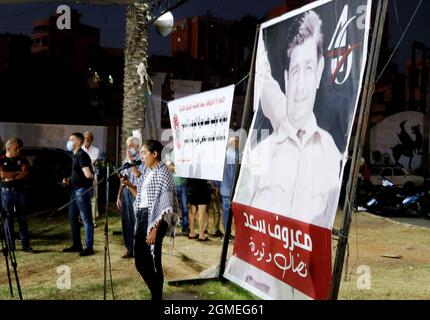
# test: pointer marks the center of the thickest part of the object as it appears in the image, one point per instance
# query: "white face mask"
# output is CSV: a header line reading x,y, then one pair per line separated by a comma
x,y
69,145
133,152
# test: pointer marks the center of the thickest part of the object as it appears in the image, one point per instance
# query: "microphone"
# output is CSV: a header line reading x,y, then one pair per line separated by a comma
x,y
131,164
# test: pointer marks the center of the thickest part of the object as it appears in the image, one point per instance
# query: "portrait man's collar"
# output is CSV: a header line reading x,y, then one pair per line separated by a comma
x,y
289,132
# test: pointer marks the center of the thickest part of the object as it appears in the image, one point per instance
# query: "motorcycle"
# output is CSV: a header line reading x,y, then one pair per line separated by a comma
x,y
391,200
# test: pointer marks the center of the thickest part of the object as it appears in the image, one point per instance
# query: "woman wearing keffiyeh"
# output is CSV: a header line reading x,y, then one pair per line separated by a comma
x,y
156,209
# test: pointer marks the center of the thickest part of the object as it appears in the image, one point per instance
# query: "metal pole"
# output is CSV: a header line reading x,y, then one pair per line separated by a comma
x,y
368,90
245,125
106,233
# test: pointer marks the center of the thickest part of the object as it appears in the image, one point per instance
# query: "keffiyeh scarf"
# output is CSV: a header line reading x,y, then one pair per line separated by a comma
x,y
162,200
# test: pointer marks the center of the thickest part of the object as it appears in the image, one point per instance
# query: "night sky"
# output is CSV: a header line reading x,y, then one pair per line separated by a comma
x,y
111,20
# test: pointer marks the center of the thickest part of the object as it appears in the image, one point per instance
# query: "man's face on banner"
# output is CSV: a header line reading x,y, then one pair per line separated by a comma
x,y
302,81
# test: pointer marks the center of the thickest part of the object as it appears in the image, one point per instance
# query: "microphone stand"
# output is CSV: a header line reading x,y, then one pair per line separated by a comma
x,y
107,259
106,248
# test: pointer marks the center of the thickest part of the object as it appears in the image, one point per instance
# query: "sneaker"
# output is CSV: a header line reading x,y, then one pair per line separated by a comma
x,y
361,209
28,249
87,252
73,249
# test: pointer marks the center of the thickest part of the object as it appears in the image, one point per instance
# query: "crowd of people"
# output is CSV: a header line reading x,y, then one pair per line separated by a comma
x,y
199,198
152,200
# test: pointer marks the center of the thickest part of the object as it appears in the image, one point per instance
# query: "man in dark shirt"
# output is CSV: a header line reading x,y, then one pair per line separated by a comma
x,y
14,174
81,181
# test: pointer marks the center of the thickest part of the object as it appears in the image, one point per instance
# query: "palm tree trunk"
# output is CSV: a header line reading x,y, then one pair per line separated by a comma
x,y
136,52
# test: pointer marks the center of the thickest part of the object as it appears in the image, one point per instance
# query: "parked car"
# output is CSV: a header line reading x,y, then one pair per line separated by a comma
x,y
400,177
48,168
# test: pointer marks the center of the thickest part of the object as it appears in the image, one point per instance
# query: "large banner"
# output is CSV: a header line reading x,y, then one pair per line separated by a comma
x,y
309,69
200,127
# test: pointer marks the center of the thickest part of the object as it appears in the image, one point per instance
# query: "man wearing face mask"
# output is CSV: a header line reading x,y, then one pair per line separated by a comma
x,y
227,182
81,181
125,199
14,173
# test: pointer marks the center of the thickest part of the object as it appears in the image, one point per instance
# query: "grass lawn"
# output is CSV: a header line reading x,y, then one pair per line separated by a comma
x,y
407,276
38,272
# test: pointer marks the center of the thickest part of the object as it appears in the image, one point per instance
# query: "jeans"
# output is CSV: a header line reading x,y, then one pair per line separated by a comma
x,y
148,264
128,220
82,207
182,194
15,202
225,210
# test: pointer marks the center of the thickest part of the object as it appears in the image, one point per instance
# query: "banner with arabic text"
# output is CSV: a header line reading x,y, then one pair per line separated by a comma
x,y
309,70
200,127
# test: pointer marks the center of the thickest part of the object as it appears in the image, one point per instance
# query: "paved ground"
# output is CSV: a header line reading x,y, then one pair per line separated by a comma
x,y
418,222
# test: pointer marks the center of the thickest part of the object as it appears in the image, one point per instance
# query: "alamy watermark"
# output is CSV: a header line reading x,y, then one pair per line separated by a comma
x,y
64,20
64,280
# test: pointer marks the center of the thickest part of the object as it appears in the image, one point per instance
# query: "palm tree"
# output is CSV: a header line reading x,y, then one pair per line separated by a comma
x,y
136,53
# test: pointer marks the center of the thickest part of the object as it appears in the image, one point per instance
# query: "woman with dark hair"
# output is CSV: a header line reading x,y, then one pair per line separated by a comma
x,y
156,211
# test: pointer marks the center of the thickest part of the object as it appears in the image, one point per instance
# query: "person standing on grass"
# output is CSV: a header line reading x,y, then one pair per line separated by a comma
x,y
14,174
215,205
125,199
157,212
200,196
81,180
181,190
94,153
226,184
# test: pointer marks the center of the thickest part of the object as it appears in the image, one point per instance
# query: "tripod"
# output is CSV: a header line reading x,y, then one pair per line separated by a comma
x,y
8,250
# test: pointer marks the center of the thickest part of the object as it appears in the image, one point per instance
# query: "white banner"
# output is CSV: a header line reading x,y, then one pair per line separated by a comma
x,y
200,126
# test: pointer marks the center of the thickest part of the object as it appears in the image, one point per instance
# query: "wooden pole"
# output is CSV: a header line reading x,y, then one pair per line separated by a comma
x,y
366,99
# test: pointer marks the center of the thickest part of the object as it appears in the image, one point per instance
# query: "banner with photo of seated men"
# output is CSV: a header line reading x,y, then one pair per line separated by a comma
x,y
309,70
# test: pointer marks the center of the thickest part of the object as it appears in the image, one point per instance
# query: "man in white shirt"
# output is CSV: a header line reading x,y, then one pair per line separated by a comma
x,y
94,153
295,171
